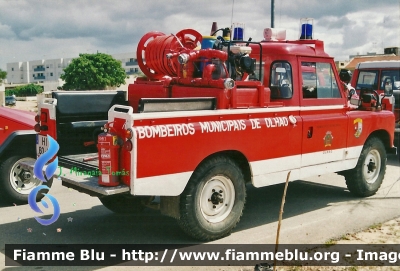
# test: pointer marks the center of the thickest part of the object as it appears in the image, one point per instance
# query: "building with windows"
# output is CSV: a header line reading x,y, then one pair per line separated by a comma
x,y
354,62
389,53
50,70
129,62
341,64
36,71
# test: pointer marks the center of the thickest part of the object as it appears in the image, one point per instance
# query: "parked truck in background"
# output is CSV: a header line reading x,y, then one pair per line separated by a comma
x,y
380,76
16,135
205,122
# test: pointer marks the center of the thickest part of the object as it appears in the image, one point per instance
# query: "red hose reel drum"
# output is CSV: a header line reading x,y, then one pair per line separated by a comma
x,y
190,38
154,46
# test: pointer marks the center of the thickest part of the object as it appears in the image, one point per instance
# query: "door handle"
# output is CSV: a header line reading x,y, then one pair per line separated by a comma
x,y
310,132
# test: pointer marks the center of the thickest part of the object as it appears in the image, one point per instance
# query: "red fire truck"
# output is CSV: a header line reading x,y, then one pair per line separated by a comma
x,y
381,76
16,136
206,121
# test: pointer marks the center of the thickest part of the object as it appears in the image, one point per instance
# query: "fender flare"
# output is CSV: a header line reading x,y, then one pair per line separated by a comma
x,y
22,141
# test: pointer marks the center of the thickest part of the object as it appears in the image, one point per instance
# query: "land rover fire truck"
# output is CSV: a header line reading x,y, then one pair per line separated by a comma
x,y
212,115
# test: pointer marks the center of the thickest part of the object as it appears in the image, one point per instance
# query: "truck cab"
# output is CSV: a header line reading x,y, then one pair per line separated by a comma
x,y
381,76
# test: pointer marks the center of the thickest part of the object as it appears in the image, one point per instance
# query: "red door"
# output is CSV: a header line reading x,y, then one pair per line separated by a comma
x,y
324,136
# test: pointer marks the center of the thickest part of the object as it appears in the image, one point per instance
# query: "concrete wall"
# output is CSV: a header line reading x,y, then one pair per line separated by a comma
x,y
31,98
40,97
49,86
2,95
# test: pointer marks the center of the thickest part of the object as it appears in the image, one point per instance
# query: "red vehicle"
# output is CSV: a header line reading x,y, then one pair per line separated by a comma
x,y
16,135
205,122
381,76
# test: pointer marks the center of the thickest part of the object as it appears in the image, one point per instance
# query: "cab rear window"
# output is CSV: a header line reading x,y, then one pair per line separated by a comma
x,y
281,80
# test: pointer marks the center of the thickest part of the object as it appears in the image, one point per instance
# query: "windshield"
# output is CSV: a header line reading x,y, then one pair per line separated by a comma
x,y
368,80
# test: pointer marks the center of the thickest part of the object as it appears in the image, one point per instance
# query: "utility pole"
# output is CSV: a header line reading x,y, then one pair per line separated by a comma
x,y
272,13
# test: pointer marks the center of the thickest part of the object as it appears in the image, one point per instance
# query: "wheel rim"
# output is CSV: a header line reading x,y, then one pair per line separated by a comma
x,y
21,180
372,165
217,199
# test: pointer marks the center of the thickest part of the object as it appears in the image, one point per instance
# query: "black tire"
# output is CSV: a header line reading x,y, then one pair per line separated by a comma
x,y
202,214
16,183
123,204
366,178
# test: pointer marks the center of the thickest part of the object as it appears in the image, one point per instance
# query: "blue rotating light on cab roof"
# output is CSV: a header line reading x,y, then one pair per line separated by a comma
x,y
238,31
306,30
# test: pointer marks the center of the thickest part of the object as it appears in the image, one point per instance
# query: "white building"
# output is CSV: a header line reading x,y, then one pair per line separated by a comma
x,y
49,70
36,71
129,62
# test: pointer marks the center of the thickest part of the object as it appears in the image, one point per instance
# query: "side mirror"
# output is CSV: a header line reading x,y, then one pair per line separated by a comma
x,y
388,86
353,97
345,75
355,100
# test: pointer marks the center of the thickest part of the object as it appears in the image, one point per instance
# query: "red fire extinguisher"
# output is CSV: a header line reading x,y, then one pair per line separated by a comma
x,y
108,152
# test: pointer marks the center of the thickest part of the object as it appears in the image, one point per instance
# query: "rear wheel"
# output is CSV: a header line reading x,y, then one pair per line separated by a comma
x,y
212,203
123,204
366,178
15,182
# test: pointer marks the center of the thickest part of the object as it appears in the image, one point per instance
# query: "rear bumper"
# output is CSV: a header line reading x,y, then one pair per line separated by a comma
x,y
81,181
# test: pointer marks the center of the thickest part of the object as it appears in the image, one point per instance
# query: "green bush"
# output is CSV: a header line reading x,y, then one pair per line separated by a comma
x,y
10,92
3,75
24,91
93,72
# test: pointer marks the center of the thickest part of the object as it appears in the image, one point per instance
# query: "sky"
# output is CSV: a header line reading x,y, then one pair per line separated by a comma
x,y
49,29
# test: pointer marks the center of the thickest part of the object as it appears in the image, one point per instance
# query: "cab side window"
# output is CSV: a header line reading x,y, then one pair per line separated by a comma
x,y
281,83
390,78
319,81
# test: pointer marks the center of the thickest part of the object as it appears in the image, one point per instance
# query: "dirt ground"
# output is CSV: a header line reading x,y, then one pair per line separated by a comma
x,y
26,105
385,233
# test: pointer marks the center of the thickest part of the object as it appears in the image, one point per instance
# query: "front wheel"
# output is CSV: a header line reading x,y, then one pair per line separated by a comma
x,y
15,182
366,178
212,203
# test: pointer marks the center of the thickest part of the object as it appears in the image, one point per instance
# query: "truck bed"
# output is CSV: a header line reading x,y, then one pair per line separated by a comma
x,y
86,160
81,176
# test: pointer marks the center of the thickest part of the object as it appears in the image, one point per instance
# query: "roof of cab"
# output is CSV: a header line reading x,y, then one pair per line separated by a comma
x,y
379,64
298,48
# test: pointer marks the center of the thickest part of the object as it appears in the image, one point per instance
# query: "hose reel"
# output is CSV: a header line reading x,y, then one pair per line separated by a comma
x,y
154,46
